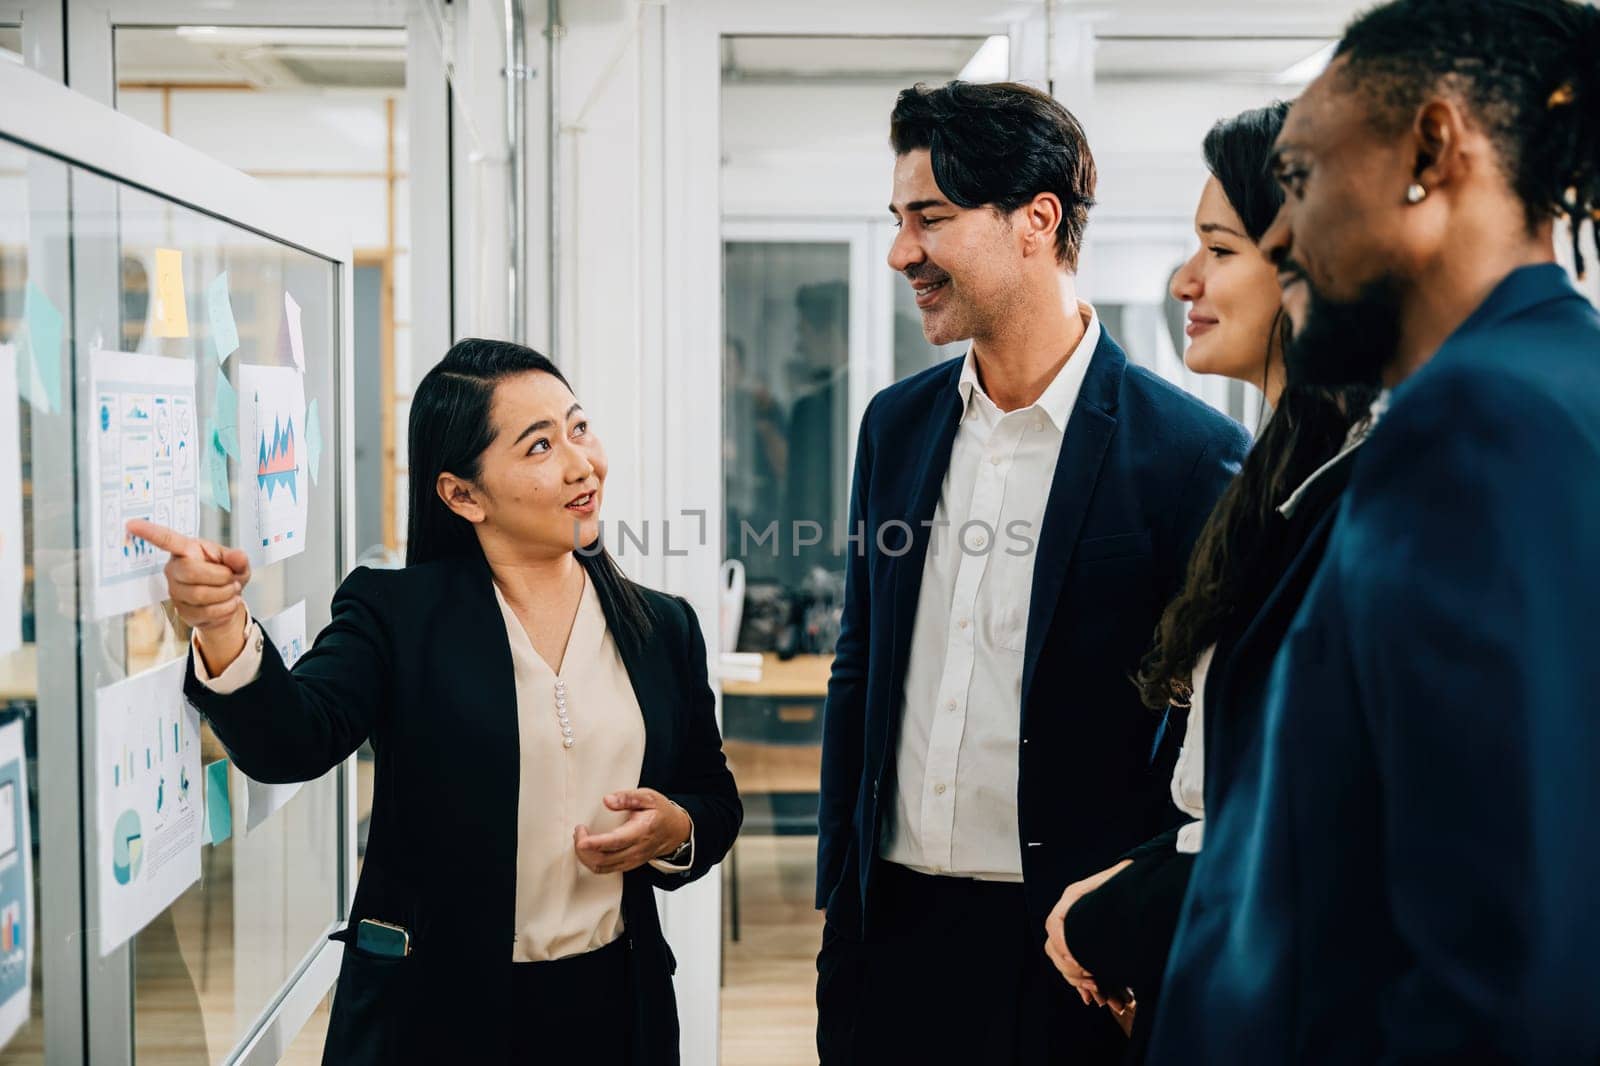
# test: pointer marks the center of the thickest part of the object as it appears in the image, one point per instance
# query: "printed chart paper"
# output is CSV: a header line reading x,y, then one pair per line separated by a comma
x,y
147,775
272,475
11,565
287,631
16,885
143,451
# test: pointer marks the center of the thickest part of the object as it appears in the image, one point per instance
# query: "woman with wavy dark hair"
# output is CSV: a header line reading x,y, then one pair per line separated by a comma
x,y
547,751
1110,933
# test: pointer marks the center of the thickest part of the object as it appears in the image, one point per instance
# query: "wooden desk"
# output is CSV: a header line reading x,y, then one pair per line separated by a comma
x,y
763,766
804,676
19,674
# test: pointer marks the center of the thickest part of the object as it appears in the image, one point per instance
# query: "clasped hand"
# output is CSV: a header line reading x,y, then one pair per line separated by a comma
x,y
1055,945
655,828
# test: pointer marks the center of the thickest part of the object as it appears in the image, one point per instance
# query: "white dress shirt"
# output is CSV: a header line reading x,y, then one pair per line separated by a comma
x,y
955,806
562,908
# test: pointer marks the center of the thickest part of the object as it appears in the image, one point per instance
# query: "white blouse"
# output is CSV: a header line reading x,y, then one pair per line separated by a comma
x,y
582,737
1189,776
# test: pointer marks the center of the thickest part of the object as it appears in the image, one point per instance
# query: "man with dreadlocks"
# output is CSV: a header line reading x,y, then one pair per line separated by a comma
x,y
1403,864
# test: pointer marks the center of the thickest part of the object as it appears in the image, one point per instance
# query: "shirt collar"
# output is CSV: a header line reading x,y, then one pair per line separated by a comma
x,y
1061,394
1353,440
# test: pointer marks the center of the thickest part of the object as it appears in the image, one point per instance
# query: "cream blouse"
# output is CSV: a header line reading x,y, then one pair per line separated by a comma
x,y
581,736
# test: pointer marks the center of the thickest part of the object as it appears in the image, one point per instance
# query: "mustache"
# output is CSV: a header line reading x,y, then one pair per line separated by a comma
x,y
924,273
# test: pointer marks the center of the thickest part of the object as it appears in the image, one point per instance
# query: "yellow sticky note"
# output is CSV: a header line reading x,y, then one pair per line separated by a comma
x,y
171,311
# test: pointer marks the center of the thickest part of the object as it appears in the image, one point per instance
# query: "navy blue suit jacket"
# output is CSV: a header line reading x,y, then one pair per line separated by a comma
x,y
1403,865
1141,467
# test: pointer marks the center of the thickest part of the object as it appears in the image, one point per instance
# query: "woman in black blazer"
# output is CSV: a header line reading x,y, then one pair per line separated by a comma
x,y
498,807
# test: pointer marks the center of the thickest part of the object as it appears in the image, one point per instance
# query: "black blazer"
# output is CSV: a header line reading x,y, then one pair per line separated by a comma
x,y
1141,467
417,661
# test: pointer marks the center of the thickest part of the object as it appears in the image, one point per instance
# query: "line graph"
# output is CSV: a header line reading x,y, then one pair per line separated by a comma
x,y
276,467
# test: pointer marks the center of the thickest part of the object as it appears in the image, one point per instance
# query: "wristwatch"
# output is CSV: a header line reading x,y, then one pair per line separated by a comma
x,y
684,850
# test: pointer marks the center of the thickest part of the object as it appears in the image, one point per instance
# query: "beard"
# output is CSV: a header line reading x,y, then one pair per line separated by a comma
x,y
1345,342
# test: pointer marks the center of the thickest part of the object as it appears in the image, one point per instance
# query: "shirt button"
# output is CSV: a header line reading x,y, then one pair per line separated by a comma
x,y
963,623
950,706
980,540
1037,426
995,459
939,789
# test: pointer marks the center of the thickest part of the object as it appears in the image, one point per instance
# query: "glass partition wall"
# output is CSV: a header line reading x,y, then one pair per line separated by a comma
x,y
174,344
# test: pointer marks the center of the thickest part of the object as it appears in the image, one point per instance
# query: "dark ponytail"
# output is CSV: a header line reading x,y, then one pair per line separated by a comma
x,y
450,429
1241,550
1569,148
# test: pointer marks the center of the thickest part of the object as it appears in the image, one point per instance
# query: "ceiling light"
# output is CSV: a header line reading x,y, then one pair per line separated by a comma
x,y
1307,69
991,62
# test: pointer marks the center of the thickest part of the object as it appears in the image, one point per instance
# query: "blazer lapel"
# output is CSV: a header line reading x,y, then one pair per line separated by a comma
x,y
1289,592
932,464
1089,431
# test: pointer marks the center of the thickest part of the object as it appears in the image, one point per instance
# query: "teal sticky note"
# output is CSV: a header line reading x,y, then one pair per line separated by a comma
x,y
202,482
219,807
221,495
219,309
44,342
314,440
225,410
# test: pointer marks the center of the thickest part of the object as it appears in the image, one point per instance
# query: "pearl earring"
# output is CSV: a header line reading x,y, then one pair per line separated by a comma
x,y
1416,193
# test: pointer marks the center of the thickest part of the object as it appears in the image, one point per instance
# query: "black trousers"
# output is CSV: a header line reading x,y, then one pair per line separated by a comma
x,y
951,971
1122,933
576,1010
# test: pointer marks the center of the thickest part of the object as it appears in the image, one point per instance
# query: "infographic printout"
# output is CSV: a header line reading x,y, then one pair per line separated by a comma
x,y
147,776
272,477
16,885
143,448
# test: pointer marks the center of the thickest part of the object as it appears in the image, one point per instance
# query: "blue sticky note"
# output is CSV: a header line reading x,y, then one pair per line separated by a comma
x,y
203,481
44,341
314,440
219,806
219,308
226,412
221,494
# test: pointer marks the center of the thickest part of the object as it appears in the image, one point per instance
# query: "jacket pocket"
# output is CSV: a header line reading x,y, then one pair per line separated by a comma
x,y
371,1001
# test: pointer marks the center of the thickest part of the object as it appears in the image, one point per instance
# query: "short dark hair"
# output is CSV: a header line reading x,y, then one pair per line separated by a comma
x,y
1000,145
1527,70
1236,150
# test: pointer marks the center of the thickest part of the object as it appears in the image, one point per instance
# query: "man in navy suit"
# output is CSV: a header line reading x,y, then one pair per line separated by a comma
x,y
1018,519
1402,864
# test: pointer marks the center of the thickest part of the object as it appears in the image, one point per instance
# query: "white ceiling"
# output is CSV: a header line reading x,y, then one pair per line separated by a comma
x,y
1190,57
1241,59
898,59
263,57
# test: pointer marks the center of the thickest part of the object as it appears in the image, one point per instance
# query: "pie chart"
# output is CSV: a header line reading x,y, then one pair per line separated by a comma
x,y
127,847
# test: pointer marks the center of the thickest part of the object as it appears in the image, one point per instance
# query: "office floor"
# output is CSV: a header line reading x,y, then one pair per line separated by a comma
x,y
769,1013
